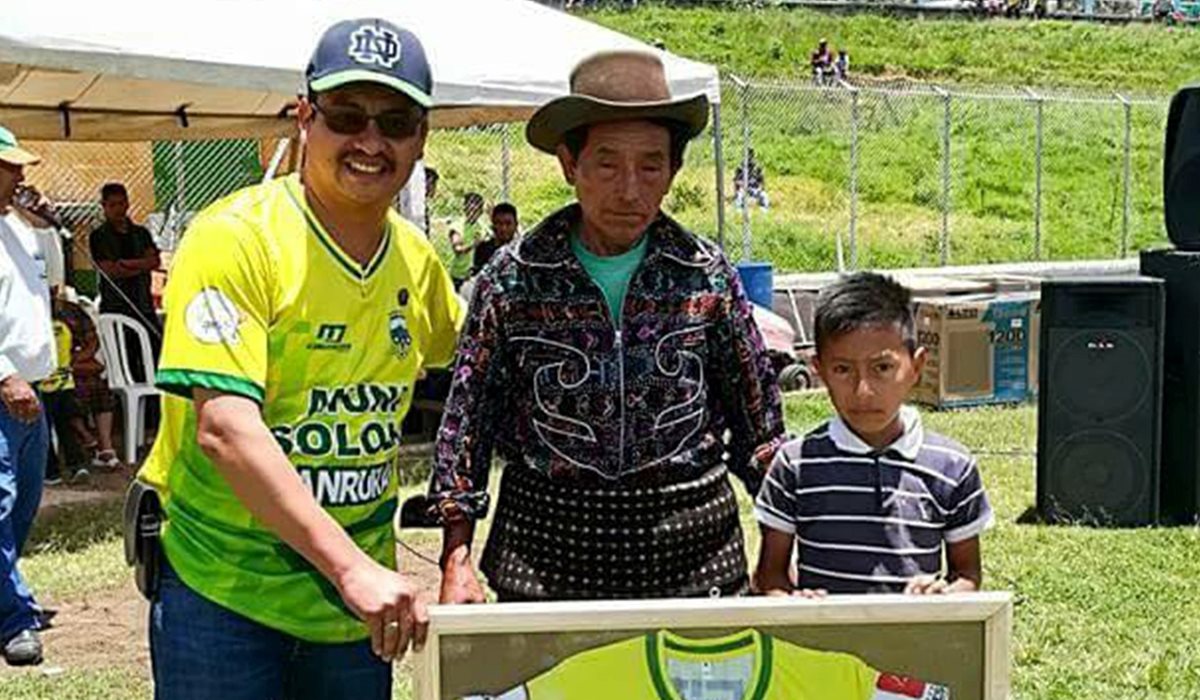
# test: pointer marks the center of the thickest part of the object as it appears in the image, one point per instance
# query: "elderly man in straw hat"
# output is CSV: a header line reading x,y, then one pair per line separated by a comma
x,y
612,362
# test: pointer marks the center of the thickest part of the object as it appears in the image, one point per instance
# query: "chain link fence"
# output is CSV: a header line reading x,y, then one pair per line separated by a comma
x,y
851,176
168,182
496,162
927,176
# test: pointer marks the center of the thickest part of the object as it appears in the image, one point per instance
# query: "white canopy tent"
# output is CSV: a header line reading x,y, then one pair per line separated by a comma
x,y
134,70
142,70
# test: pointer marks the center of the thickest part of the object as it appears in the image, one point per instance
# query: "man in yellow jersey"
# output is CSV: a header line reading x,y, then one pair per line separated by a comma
x,y
299,314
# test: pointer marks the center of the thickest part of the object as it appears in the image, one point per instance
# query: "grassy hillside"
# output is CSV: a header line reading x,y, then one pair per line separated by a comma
x,y
776,41
803,138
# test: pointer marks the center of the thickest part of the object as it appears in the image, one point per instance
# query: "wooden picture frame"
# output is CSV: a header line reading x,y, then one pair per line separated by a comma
x,y
962,641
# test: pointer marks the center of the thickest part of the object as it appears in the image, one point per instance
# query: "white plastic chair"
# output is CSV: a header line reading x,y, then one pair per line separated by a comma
x,y
90,306
113,331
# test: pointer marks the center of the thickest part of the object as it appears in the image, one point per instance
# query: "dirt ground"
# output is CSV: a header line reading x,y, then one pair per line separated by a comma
x,y
108,628
103,629
101,485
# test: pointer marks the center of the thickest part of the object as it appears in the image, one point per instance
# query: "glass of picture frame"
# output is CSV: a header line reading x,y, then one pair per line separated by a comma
x,y
874,647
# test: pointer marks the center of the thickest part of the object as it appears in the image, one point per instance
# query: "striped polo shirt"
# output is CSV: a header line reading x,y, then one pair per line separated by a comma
x,y
867,520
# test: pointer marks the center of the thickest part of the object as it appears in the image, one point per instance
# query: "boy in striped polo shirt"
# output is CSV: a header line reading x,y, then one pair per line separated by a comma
x,y
870,499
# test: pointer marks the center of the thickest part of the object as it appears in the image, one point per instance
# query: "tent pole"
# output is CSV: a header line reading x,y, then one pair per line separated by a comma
x,y
719,157
281,150
505,165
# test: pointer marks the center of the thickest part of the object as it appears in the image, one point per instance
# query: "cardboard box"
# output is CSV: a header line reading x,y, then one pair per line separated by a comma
x,y
982,349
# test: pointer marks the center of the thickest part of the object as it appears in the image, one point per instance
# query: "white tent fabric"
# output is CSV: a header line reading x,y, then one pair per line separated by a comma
x,y
142,69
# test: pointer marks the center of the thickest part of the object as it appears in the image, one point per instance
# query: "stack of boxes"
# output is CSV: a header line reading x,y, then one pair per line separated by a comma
x,y
983,349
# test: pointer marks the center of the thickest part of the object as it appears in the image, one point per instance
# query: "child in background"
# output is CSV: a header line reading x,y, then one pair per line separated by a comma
x,y
58,398
92,394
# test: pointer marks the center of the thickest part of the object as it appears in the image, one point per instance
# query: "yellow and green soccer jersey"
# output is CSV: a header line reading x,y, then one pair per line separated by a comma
x,y
662,666
62,378
461,263
261,302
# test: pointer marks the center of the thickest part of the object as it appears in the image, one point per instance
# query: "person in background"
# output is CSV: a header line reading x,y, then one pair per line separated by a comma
x,y
92,395
841,66
464,235
62,411
504,229
26,357
749,183
821,62
126,255
431,185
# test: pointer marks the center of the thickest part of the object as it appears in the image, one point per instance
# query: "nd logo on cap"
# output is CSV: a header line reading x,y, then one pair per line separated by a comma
x,y
371,50
378,45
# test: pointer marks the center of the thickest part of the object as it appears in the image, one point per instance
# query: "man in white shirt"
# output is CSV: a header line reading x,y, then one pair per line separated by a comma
x,y
26,356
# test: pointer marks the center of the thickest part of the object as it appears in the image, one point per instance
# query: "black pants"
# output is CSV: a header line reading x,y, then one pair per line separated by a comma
x,y
60,408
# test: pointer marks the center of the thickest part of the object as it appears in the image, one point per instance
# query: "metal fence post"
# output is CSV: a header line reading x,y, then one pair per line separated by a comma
x,y
853,178
180,177
945,242
505,164
1127,183
744,90
1037,187
719,162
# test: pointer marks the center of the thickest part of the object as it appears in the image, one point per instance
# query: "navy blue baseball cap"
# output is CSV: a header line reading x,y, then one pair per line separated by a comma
x,y
371,51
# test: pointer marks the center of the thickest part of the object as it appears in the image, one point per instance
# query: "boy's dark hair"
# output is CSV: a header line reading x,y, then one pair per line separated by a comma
x,y
111,189
860,300
576,139
473,198
505,208
431,175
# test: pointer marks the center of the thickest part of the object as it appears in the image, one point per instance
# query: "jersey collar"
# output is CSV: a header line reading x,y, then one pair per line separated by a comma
x,y
360,273
658,644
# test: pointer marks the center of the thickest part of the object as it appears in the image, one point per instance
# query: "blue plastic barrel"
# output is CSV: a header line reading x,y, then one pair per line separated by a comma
x,y
759,280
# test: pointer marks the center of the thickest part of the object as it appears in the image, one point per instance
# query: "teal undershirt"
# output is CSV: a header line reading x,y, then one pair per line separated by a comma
x,y
612,273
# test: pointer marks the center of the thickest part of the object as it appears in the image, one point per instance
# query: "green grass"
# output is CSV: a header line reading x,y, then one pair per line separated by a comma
x,y
77,549
107,684
803,141
1101,613
803,138
775,42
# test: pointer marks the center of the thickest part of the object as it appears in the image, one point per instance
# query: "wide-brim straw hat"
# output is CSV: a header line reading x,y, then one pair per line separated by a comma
x,y
615,86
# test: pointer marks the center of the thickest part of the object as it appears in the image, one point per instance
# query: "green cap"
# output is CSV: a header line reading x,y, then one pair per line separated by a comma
x,y
10,152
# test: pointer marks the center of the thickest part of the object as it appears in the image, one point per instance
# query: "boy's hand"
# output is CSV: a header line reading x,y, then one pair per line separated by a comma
x,y
927,585
810,593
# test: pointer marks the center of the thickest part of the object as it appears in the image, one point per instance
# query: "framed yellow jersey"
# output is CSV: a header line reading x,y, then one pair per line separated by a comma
x,y
842,647
261,302
749,665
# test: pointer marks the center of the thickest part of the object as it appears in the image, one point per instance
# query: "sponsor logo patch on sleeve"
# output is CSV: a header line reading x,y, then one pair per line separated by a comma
x,y
212,317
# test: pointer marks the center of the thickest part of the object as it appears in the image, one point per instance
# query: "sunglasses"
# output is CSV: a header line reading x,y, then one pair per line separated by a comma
x,y
348,121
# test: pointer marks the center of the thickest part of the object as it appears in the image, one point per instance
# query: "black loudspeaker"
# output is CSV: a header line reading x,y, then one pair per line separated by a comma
x,y
1181,170
1099,400
1180,493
